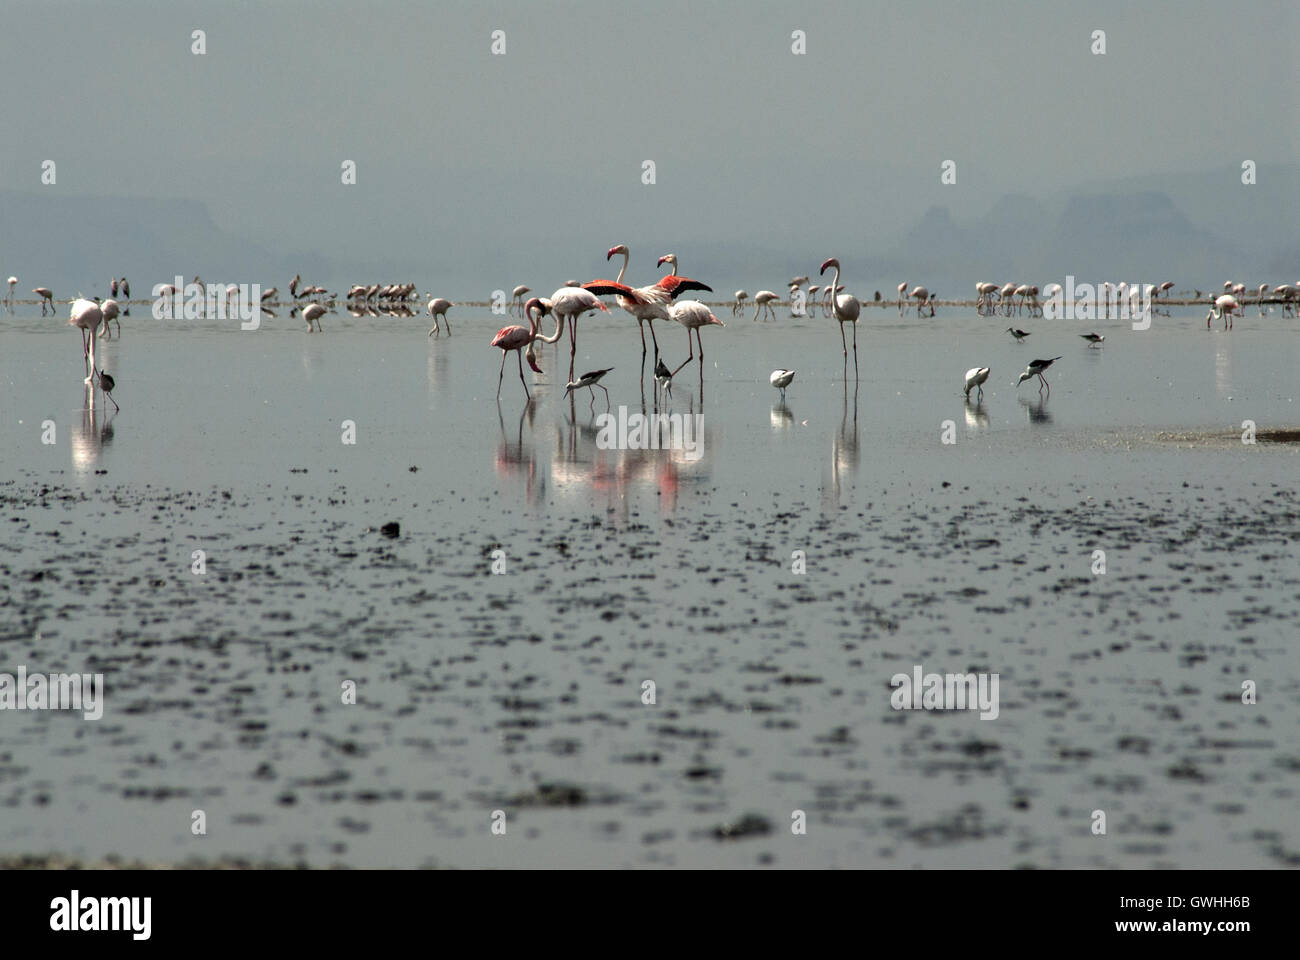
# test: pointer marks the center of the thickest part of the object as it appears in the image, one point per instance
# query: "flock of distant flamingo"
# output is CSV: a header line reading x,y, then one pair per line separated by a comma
x,y
659,301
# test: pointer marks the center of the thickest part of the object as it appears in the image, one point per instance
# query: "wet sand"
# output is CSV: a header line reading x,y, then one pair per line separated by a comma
x,y
521,692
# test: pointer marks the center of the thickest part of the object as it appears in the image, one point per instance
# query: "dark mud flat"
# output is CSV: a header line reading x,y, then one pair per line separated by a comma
x,y
521,692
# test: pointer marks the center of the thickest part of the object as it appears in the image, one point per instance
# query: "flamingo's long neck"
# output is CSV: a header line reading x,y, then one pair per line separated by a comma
x,y
835,285
554,338
623,269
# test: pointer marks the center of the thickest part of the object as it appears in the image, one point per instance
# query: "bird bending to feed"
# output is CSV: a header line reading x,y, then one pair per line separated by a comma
x,y
516,337
845,308
664,376
1035,369
692,315
781,379
109,309
438,307
1093,338
763,299
46,295
741,297
312,314
1225,306
590,380
14,280
107,383
1018,334
87,315
517,297
975,377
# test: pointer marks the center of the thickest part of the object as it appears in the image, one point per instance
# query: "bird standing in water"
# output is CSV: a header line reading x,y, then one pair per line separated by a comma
x,y
107,383
1035,369
781,379
590,380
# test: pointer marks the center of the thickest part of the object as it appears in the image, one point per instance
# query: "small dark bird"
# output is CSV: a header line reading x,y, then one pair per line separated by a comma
x,y
1035,369
1018,334
591,381
112,286
1092,338
107,383
664,376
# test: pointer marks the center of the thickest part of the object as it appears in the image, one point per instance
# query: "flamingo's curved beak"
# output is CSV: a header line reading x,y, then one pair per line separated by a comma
x,y
612,250
532,359
827,264
661,261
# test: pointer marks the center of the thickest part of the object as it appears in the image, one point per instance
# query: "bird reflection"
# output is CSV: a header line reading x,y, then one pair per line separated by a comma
x,y
94,432
515,458
844,446
976,418
1037,409
782,418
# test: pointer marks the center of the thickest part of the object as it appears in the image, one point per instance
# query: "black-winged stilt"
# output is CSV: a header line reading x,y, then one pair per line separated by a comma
x,y
1018,334
591,381
1035,369
1093,338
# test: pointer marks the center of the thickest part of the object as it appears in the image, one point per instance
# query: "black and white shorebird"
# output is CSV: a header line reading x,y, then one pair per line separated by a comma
x,y
1093,338
664,376
781,379
1035,369
107,383
1018,334
591,381
975,377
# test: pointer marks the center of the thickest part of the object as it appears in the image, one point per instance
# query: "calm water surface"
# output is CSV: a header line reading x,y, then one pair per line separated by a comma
x,y
522,692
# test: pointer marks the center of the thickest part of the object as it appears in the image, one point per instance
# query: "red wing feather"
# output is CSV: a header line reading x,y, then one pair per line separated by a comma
x,y
676,286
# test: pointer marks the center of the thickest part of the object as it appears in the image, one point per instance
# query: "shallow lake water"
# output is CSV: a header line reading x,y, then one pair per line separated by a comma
x,y
522,691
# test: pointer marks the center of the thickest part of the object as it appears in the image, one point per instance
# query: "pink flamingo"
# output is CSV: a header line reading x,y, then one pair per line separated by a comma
x,y
846,310
1224,307
516,338
87,315
692,315
902,295
921,296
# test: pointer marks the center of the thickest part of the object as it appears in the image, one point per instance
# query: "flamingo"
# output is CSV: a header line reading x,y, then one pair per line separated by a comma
x,y
293,285
46,295
902,295
1262,288
812,299
12,281
109,309
1035,369
984,291
692,315
650,303
741,297
1005,294
975,378
438,307
1286,293
312,314
517,296
781,379
1224,307
798,281
765,298
1022,292
269,295
570,303
920,295
516,338
590,381
846,310
126,289
87,315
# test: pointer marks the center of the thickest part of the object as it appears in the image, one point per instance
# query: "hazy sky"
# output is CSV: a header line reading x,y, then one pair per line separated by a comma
x,y
537,155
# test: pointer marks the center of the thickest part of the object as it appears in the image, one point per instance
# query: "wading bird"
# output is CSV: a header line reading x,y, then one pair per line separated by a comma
x,y
922,296
126,289
741,297
664,376
591,381
86,315
762,299
1224,307
902,295
1035,369
1018,334
107,383
845,309
516,338
438,307
1094,339
10,297
781,379
975,378
110,310
984,298
692,315
517,297
312,314
47,296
